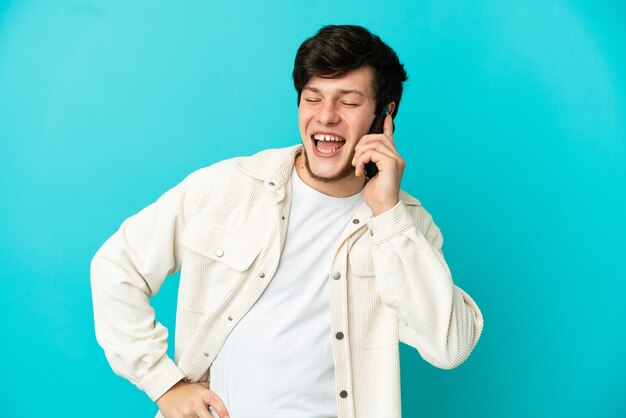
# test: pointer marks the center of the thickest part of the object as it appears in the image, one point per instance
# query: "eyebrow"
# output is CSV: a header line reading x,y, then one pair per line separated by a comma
x,y
342,92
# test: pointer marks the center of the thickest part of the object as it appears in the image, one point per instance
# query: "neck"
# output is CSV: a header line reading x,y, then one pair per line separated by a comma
x,y
346,187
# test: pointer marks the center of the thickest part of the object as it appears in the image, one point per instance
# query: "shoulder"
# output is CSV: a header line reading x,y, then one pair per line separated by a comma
x,y
261,165
220,168
239,173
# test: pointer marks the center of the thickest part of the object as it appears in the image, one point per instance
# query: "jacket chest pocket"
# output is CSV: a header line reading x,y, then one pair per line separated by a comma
x,y
215,260
373,324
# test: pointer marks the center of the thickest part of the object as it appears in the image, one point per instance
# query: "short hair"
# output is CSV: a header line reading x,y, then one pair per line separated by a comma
x,y
335,50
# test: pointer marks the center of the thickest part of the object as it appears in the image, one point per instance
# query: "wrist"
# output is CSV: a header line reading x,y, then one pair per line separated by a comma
x,y
169,391
381,208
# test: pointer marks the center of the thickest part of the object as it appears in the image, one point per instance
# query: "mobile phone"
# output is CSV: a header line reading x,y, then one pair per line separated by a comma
x,y
377,128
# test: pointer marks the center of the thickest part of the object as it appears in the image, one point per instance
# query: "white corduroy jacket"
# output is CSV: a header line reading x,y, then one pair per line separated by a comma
x,y
224,227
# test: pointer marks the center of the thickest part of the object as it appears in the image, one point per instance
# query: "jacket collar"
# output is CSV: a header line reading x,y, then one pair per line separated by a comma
x,y
274,166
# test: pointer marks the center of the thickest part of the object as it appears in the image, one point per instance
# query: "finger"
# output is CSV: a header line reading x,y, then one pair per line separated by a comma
x,y
388,127
359,169
210,398
376,138
367,143
379,158
379,146
203,412
382,145
360,164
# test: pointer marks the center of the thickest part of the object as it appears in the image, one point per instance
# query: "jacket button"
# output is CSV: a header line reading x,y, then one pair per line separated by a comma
x,y
371,232
355,221
262,275
219,252
336,275
339,335
343,394
206,354
187,380
230,318
272,183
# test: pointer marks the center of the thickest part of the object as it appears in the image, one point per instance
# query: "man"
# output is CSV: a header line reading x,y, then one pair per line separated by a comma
x,y
299,275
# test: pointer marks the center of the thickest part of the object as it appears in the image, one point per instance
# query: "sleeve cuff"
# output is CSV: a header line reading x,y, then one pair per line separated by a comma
x,y
389,224
165,375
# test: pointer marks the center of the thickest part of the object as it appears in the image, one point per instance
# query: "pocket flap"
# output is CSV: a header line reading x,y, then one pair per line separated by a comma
x,y
361,261
219,244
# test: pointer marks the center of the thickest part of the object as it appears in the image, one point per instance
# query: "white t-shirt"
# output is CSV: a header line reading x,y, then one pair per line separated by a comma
x,y
278,361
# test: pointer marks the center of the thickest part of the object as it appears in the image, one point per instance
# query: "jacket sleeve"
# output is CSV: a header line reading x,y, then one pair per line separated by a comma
x,y
436,317
126,271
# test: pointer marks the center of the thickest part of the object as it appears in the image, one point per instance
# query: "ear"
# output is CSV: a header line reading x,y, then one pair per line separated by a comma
x,y
391,107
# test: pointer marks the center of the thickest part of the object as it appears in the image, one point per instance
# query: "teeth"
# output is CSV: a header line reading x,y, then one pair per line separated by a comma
x,y
320,137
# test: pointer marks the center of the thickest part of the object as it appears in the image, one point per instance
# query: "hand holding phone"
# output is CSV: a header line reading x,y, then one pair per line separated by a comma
x,y
377,128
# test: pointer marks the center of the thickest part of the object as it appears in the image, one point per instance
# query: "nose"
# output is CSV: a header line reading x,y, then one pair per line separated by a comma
x,y
328,114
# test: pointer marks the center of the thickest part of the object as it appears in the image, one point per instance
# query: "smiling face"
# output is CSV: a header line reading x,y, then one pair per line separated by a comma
x,y
333,115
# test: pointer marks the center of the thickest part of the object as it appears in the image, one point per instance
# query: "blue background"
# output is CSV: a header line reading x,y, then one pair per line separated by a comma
x,y
513,125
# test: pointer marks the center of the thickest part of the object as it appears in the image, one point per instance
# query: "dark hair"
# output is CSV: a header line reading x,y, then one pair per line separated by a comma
x,y
336,50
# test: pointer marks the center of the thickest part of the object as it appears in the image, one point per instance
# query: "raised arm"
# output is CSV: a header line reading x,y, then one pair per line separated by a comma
x,y
436,317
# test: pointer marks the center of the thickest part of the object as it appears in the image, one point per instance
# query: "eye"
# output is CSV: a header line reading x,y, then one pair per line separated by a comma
x,y
350,104
311,100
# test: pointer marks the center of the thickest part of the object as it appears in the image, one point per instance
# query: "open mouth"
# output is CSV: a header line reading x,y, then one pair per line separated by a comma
x,y
327,144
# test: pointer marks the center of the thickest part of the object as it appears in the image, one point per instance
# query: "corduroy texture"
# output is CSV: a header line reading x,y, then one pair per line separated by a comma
x,y
225,227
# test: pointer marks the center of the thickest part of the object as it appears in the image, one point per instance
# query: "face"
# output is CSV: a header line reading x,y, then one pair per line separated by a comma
x,y
333,115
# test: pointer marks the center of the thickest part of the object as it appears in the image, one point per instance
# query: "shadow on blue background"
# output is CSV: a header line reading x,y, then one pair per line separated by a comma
x,y
513,126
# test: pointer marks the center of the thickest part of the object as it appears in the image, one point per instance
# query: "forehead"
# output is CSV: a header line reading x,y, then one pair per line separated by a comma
x,y
357,81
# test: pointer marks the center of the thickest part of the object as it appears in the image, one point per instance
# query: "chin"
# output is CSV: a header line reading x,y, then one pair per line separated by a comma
x,y
344,170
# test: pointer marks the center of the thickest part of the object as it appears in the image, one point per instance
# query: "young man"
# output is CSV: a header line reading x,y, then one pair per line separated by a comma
x,y
299,275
